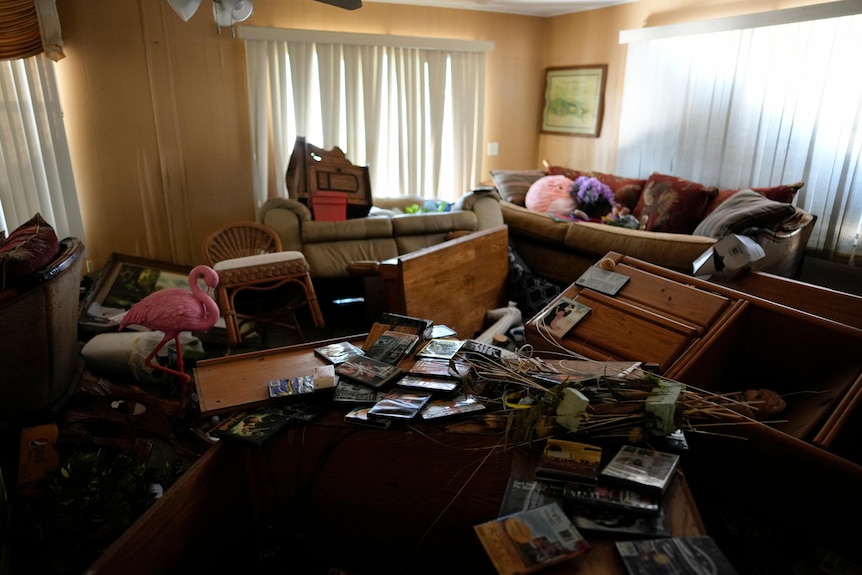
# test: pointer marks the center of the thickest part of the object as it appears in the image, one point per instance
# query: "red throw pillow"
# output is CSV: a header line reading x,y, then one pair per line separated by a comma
x,y
570,173
627,191
31,247
782,193
672,204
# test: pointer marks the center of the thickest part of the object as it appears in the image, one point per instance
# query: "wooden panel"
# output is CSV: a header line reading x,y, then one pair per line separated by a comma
x,y
240,381
824,302
213,491
454,283
678,300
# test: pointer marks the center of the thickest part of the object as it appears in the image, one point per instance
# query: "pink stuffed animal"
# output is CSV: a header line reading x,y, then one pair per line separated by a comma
x,y
550,194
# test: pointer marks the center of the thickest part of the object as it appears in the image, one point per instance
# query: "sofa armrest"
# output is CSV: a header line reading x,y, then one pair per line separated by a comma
x,y
286,217
485,204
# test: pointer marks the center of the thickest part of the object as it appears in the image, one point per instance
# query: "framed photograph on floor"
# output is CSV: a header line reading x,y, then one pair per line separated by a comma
x,y
124,281
574,100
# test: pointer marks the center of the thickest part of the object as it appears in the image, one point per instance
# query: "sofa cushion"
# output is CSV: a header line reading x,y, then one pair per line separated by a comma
x,y
744,209
513,184
353,229
672,204
627,191
29,248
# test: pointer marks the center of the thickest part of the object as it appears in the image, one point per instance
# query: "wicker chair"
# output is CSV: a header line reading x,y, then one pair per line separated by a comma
x,y
248,257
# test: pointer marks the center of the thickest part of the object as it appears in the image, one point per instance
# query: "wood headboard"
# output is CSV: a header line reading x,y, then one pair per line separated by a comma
x,y
312,169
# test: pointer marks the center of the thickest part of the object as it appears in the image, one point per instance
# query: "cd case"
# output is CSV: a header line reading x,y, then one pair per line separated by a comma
x,y
400,404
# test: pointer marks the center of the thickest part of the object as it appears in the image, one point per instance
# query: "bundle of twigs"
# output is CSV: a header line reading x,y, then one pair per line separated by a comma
x,y
530,390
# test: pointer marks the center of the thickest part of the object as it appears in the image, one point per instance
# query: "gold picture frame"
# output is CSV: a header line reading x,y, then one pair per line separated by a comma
x,y
123,281
574,99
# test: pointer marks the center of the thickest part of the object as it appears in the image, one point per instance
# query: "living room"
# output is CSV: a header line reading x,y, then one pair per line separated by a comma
x,y
157,109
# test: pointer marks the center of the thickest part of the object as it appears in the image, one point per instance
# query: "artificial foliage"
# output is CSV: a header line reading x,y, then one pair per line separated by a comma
x,y
78,509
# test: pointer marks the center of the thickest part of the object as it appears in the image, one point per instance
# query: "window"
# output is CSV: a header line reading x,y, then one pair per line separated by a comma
x,y
35,167
412,113
758,106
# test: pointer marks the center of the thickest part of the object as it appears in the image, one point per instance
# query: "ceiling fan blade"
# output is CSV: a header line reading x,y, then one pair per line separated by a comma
x,y
185,9
346,4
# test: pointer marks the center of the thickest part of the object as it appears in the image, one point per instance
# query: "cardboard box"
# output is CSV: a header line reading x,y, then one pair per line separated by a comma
x,y
726,256
37,454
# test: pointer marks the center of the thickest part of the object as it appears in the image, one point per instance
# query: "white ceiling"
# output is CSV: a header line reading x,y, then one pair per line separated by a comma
x,y
544,8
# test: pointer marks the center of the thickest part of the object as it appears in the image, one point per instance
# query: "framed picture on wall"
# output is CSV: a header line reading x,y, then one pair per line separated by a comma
x,y
574,100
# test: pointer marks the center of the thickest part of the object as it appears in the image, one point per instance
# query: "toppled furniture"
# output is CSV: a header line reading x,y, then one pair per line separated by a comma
x,y
386,232
41,354
422,283
560,250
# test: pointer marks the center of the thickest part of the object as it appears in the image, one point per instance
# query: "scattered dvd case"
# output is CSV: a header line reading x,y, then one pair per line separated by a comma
x,y
460,405
368,371
400,404
338,352
440,348
429,383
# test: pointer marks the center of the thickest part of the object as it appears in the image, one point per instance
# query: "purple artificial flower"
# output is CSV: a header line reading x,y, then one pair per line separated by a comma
x,y
590,192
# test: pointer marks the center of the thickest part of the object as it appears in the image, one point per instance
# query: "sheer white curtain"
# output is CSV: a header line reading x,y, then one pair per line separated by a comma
x,y
755,107
35,167
414,115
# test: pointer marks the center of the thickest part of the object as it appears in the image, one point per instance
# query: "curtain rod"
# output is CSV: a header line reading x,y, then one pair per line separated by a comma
x,y
358,39
759,20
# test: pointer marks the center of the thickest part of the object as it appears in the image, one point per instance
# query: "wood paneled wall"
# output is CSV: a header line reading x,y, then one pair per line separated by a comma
x,y
157,117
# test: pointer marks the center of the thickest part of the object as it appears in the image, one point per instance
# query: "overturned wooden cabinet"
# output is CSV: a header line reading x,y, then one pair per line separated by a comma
x,y
718,339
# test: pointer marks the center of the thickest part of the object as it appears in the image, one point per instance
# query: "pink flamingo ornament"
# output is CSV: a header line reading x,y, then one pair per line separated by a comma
x,y
174,310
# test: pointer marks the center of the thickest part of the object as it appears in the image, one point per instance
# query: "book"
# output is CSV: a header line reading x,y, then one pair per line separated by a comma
x,y
696,555
563,316
459,405
531,540
602,281
400,404
359,416
253,427
440,348
337,352
522,494
641,468
392,346
368,371
433,384
439,368
569,461
611,498
350,392
614,523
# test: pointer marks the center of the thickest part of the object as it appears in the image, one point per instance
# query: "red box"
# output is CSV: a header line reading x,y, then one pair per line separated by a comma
x,y
329,206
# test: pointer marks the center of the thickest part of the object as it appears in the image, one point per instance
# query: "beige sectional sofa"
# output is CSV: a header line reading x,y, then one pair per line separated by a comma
x,y
387,232
560,251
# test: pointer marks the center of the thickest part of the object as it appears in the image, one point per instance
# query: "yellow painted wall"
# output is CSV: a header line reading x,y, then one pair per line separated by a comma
x,y
156,108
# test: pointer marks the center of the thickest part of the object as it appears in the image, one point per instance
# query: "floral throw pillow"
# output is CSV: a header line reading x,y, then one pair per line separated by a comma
x,y
672,204
29,248
627,191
